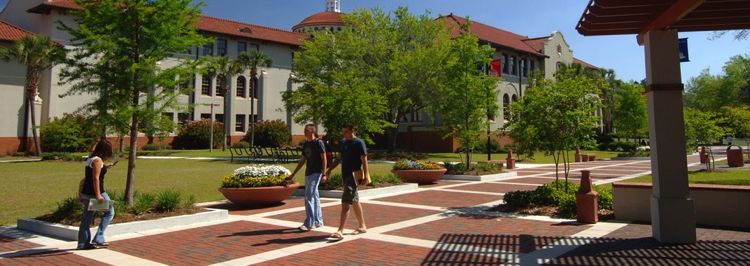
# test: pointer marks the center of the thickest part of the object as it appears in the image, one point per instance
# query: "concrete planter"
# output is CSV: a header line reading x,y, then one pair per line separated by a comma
x,y
70,233
491,177
420,176
372,192
258,195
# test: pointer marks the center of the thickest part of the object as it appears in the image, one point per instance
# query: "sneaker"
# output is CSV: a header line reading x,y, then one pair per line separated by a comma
x,y
87,247
303,228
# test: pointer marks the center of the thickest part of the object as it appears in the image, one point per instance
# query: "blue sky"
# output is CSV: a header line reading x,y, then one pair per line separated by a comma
x,y
533,18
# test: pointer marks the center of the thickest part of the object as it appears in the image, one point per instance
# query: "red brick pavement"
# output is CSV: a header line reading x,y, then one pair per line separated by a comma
x,y
494,187
47,258
375,215
509,234
633,245
442,198
372,252
250,210
214,244
11,244
440,183
530,180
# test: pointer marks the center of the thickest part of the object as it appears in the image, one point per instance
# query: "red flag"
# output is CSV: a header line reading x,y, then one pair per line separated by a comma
x,y
496,67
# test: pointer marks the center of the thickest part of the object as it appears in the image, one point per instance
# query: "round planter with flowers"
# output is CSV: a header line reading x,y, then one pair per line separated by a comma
x,y
421,172
258,185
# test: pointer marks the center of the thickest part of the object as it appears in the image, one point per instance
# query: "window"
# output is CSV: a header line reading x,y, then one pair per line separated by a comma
x,y
532,65
512,66
415,117
506,106
559,50
505,64
183,118
254,93
241,47
205,116
221,47
169,116
525,67
208,49
220,117
559,66
221,86
184,86
241,87
239,124
514,98
253,118
206,86
255,46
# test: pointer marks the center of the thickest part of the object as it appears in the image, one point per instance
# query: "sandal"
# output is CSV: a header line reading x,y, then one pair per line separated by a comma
x,y
303,228
359,231
336,236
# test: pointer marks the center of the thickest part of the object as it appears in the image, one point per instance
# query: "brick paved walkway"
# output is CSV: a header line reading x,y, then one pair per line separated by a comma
x,y
441,224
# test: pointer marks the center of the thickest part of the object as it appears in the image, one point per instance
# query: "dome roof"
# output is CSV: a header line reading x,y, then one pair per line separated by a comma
x,y
322,18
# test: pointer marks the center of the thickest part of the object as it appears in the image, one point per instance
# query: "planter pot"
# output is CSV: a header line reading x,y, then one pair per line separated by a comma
x,y
420,176
258,195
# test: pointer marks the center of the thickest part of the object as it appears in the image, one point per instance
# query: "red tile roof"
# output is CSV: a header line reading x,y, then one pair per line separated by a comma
x,y
537,43
322,18
207,24
11,33
490,34
583,63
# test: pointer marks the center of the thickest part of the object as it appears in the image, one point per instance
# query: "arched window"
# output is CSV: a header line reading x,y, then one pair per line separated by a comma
x,y
241,87
506,106
221,85
514,98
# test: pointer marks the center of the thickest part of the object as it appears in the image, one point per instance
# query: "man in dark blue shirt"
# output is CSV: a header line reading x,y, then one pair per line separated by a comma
x,y
314,159
354,171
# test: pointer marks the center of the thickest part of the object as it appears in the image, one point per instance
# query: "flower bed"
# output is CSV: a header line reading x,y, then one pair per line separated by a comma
x,y
258,184
422,172
553,199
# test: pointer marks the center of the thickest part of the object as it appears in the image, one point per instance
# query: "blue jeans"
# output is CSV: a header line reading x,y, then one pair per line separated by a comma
x,y
84,234
312,201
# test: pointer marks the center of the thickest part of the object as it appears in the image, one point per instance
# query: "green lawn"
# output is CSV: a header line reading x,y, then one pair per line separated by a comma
x,y
539,157
737,177
33,188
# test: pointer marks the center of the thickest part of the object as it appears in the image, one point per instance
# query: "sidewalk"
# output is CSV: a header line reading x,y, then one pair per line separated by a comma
x,y
440,224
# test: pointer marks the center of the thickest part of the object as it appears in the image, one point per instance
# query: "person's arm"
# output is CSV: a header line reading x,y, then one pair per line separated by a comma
x,y
324,160
333,165
96,167
366,171
299,165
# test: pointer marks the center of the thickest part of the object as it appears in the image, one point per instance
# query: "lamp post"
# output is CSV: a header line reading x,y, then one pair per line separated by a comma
x,y
211,127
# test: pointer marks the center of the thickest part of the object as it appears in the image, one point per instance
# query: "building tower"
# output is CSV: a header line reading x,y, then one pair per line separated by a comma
x,y
333,6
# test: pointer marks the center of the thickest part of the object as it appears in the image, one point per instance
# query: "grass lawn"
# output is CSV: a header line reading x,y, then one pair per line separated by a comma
x,y
33,188
735,177
539,157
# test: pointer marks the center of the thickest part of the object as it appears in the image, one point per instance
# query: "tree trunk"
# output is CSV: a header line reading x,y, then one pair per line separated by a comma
x,y
392,138
252,107
25,139
121,140
132,153
34,134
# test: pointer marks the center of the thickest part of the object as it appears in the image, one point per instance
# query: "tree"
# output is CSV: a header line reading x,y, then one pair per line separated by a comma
x,y
736,120
701,130
131,39
223,69
38,53
711,92
631,111
557,115
253,60
738,34
468,95
400,55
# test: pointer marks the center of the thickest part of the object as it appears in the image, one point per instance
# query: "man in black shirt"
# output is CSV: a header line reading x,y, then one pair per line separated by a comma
x,y
354,171
314,156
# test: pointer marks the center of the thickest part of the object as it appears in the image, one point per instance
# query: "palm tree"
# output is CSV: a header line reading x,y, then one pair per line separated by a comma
x,y
38,53
253,60
222,67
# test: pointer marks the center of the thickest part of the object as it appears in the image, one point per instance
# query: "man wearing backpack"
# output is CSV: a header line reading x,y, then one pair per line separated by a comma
x,y
314,158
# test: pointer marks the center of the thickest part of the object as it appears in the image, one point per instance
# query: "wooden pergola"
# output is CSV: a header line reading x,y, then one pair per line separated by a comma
x,y
656,23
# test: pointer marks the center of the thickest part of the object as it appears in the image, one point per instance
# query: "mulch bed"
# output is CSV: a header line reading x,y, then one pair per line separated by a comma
x,y
75,220
550,211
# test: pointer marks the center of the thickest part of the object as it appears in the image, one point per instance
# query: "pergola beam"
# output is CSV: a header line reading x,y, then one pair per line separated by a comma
x,y
674,13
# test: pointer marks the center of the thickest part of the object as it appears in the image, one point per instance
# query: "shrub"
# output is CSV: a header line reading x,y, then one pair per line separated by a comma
x,y
156,147
454,168
195,135
486,167
271,133
69,133
241,144
69,206
378,180
167,200
519,198
555,194
606,199
396,156
494,147
623,146
142,203
62,156
257,176
604,141
416,165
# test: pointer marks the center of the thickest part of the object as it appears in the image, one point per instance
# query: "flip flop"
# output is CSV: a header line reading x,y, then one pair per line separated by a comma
x,y
359,231
336,236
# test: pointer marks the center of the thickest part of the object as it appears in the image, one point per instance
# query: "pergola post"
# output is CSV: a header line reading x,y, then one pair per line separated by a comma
x,y
672,212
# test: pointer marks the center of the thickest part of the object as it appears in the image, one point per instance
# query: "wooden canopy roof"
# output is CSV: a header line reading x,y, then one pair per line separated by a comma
x,y
610,17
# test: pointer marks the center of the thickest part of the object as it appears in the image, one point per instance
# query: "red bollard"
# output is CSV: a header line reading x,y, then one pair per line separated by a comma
x,y
510,163
584,158
703,155
578,155
586,200
734,157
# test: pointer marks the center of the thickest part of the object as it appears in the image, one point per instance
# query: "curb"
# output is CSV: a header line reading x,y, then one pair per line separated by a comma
x,y
70,233
480,178
407,187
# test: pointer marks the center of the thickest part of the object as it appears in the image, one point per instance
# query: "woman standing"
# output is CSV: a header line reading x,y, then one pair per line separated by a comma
x,y
93,188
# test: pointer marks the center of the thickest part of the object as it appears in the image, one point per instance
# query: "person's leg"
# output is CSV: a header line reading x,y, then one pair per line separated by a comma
x,y
309,207
317,217
344,216
359,213
106,219
84,233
